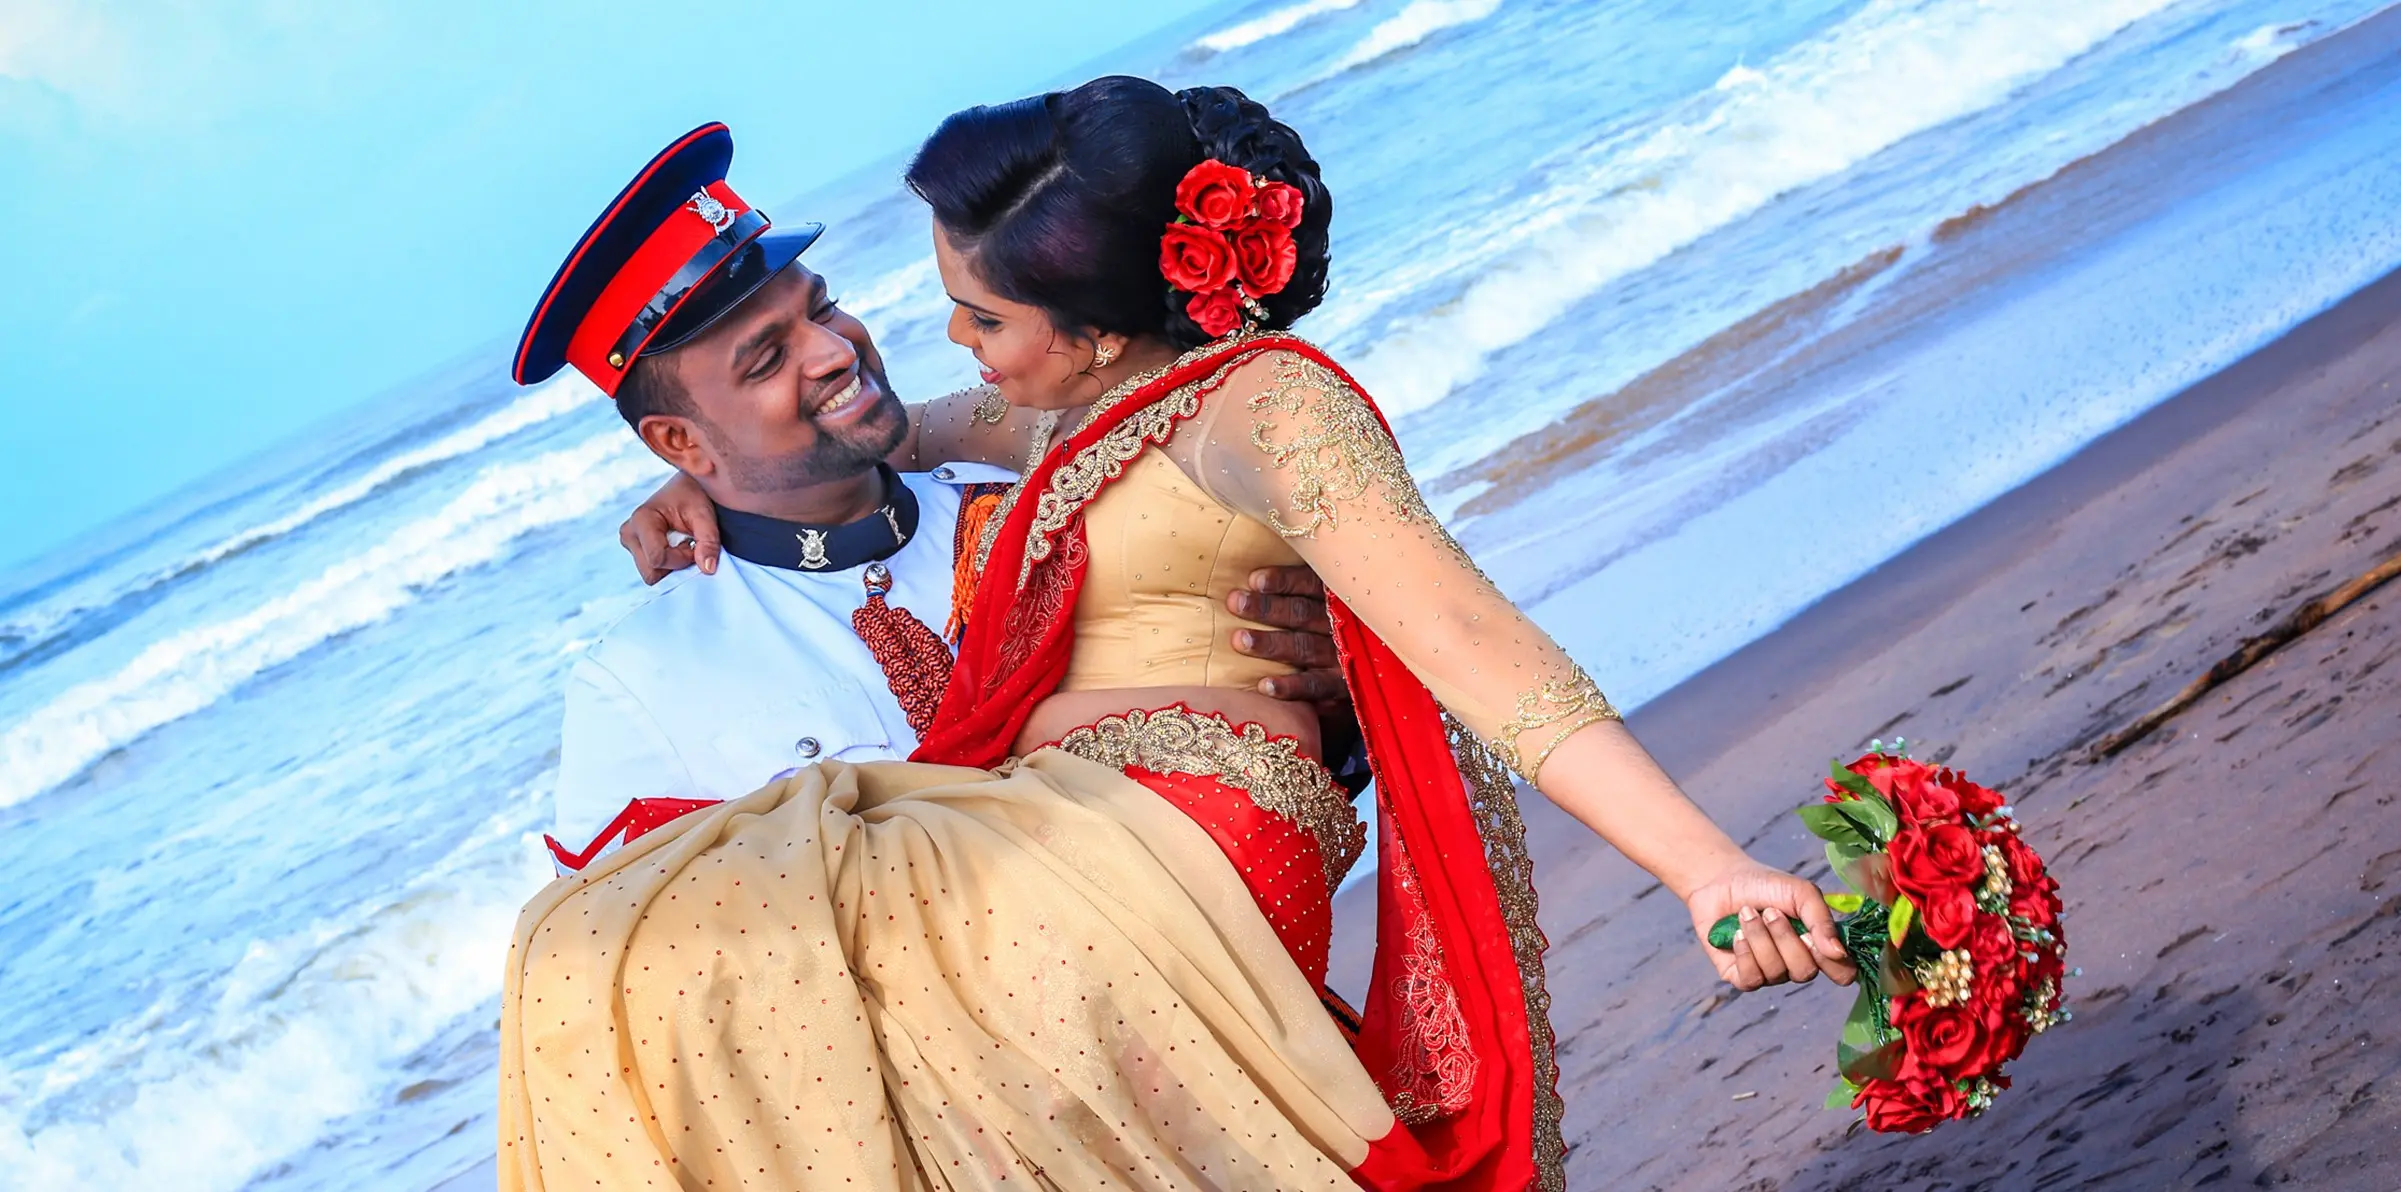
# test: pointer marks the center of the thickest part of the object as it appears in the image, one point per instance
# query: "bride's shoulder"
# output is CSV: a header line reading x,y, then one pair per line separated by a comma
x,y
1289,378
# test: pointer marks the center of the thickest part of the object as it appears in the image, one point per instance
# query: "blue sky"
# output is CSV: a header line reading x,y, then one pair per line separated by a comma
x,y
223,220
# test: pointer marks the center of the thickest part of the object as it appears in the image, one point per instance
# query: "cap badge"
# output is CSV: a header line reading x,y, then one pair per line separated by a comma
x,y
812,550
706,206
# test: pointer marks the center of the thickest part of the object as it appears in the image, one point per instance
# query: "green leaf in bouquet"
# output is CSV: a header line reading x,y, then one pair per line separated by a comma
x,y
1850,780
1844,904
1864,1052
1904,913
1874,818
1834,827
1884,1063
1844,1093
1850,862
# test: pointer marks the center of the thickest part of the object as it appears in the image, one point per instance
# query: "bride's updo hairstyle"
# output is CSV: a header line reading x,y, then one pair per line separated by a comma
x,y
1060,200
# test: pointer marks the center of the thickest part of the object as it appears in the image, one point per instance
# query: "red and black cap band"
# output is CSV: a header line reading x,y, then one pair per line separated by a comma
x,y
675,251
738,231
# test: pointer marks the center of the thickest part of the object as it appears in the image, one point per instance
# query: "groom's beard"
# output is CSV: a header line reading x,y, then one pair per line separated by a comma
x,y
838,455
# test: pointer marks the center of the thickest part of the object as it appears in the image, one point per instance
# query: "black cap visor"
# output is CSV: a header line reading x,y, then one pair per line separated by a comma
x,y
740,276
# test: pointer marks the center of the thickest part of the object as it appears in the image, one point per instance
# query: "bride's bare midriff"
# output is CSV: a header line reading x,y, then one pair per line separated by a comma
x,y
1066,711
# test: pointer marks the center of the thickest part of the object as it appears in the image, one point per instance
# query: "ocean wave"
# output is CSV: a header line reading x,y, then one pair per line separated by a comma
x,y
306,1028
1895,68
1274,24
30,635
182,674
1408,27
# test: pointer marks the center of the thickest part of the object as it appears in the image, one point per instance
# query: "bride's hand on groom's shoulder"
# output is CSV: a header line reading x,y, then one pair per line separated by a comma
x,y
674,529
1767,949
1292,602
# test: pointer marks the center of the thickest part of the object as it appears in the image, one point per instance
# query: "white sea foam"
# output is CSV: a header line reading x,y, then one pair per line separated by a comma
x,y
1408,27
305,1029
913,290
1274,24
1895,68
187,672
554,399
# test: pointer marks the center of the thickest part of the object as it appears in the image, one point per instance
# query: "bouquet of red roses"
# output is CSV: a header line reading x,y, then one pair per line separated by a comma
x,y
1955,928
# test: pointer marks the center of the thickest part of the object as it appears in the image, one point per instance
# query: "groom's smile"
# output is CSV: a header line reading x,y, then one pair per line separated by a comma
x,y
787,393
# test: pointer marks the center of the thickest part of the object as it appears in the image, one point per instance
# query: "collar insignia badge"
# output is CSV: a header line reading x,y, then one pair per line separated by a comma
x,y
706,206
893,520
812,550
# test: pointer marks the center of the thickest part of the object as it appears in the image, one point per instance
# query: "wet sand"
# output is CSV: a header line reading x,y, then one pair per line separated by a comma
x,y
2230,879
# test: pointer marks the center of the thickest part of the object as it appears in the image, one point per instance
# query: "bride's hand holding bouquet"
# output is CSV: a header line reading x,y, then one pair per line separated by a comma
x,y
1767,948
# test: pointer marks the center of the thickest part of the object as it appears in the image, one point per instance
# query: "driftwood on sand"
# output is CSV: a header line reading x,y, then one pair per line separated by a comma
x,y
2301,620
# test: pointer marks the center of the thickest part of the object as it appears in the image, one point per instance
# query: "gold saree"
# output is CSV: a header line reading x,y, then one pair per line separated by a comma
x,y
905,976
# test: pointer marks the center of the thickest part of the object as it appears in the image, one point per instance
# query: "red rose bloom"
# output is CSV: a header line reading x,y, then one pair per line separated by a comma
x,y
1195,259
1217,311
2036,904
1264,257
1282,203
1897,1108
1922,798
1944,1040
1994,952
1975,800
2005,1035
2025,868
1878,769
1947,914
1928,858
1215,195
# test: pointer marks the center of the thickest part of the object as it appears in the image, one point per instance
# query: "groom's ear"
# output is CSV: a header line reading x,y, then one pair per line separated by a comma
x,y
675,439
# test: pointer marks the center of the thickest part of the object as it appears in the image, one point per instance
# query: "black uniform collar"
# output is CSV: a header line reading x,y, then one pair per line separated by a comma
x,y
800,546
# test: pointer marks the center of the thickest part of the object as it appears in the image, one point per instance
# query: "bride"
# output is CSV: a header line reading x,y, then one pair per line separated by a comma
x,y
1080,941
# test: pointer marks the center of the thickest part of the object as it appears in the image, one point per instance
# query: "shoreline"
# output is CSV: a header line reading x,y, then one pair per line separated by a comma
x,y
2228,878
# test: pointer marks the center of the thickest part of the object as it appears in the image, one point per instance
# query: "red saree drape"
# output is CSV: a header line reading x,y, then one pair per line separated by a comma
x,y
1455,1027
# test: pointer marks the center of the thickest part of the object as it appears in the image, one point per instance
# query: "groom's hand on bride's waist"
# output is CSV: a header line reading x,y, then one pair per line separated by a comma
x,y
1292,601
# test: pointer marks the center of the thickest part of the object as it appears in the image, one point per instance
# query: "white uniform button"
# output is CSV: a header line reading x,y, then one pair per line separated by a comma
x,y
944,473
806,747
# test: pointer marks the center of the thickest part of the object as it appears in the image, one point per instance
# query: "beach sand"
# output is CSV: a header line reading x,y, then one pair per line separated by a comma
x,y
2230,880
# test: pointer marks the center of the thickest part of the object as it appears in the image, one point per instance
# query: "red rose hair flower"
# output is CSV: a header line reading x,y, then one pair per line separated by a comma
x,y
1264,258
1216,195
1195,258
1230,245
1218,311
1282,203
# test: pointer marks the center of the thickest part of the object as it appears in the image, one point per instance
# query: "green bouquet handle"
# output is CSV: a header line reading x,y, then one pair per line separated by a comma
x,y
1721,933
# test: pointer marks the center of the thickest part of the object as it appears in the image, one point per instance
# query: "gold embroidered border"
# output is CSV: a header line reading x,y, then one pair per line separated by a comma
x,y
1338,450
1494,799
1436,1069
1081,478
1573,702
1271,770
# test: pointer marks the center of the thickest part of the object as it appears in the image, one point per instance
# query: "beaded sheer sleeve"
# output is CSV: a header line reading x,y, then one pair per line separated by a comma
x,y
1288,442
970,426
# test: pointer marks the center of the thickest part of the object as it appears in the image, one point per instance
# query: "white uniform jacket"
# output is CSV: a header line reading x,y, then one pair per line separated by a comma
x,y
717,683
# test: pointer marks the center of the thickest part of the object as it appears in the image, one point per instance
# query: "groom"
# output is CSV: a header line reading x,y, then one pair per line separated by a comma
x,y
816,636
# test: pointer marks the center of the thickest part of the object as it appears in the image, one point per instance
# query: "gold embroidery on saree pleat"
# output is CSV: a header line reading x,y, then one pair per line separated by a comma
x,y
1434,1068
1271,770
1571,704
1336,449
1494,800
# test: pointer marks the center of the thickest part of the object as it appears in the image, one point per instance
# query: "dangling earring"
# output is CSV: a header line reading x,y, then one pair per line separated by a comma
x,y
1104,356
